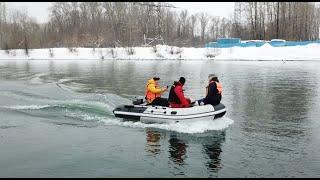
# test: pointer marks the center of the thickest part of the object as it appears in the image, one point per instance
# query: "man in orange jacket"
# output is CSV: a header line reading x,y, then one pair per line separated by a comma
x,y
153,93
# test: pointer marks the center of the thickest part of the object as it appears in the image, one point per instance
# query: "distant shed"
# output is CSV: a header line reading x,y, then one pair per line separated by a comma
x,y
252,43
277,42
228,40
236,42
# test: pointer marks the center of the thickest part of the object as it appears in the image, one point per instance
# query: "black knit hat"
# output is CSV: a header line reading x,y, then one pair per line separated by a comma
x,y
182,80
212,76
156,78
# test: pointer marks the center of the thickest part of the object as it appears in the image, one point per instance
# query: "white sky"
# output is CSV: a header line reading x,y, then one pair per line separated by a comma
x,y
39,10
223,9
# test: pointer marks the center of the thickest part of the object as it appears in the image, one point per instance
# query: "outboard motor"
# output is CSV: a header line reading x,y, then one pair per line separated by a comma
x,y
137,102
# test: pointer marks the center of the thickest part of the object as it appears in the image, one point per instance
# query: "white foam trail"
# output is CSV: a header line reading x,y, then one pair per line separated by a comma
x,y
37,78
83,116
26,107
104,102
61,81
198,126
63,104
74,88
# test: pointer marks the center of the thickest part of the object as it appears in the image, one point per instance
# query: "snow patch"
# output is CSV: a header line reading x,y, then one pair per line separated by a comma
x,y
164,52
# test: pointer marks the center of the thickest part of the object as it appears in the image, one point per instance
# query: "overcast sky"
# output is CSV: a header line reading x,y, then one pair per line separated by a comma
x,y
39,10
223,9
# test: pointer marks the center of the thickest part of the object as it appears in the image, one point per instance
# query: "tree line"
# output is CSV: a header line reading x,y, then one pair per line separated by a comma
x,y
296,21
126,24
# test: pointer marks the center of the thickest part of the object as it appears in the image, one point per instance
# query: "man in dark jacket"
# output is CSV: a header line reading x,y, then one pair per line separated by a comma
x,y
214,91
176,97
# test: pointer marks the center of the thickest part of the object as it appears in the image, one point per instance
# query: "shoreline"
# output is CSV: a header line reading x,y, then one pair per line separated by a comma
x,y
220,60
309,52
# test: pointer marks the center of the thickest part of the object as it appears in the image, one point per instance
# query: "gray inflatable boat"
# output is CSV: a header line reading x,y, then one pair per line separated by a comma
x,y
159,114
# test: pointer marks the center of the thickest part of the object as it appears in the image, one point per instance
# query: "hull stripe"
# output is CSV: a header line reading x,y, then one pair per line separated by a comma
x,y
173,117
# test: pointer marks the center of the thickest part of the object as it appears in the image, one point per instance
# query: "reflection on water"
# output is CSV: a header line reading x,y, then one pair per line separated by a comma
x,y
213,150
153,144
177,149
275,108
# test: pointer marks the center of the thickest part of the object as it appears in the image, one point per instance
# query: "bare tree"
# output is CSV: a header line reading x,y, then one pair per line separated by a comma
x,y
3,18
203,18
110,24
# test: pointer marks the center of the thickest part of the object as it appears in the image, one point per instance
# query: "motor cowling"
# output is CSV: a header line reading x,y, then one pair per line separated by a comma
x,y
137,102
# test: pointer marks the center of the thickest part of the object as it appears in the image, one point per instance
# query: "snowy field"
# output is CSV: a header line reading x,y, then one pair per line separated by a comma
x,y
163,52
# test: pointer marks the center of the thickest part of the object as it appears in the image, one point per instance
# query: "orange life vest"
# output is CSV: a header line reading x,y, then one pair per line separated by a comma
x,y
219,87
149,95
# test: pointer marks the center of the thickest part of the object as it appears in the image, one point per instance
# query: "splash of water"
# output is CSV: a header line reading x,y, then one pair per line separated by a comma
x,y
197,126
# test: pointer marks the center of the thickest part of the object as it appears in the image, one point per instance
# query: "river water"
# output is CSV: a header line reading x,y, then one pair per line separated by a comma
x,y
56,120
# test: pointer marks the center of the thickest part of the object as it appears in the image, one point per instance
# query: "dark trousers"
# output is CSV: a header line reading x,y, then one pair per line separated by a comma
x,y
160,102
209,101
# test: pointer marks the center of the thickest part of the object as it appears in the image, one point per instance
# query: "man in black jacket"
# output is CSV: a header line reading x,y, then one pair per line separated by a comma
x,y
214,91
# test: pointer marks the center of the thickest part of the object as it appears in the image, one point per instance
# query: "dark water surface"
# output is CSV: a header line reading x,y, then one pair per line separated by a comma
x,y
56,120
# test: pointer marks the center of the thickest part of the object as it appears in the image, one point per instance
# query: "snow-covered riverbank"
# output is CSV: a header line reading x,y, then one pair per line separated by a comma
x,y
266,52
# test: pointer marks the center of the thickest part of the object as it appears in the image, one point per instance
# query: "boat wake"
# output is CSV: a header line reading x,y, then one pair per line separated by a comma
x,y
199,126
100,114
66,107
